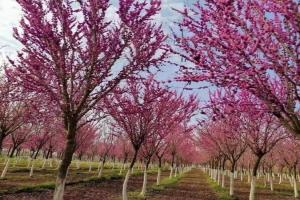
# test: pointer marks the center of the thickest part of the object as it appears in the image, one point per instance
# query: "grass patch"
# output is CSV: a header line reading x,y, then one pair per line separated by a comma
x,y
283,189
222,193
36,188
165,183
136,196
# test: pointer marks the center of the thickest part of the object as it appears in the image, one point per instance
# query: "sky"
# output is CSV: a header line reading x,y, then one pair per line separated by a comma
x,y
10,14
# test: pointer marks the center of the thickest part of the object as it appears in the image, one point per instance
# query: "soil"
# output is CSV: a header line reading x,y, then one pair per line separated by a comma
x,y
104,190
192,186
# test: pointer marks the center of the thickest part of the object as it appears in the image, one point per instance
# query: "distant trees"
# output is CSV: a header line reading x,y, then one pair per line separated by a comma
x,y
142,110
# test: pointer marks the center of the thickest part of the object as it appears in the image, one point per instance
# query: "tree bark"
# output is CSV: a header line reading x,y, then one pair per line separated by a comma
x,y
158,171
36,153
231,184
2,137
296,194
65,163
31,169
253,178
144,188
252,188
12,151
125,183
101,168
5,168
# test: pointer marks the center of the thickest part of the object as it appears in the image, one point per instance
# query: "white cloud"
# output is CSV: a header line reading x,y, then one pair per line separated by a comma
x,y
10,14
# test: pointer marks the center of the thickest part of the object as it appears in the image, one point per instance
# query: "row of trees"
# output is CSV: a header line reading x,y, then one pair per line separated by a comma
x,y
142,120
250,49
241,134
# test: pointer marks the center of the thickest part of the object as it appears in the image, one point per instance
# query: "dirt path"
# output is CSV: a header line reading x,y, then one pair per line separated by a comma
x,y
104,190
192,186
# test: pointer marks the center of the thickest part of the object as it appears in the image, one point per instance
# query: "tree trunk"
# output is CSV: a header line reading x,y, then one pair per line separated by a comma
x,y
158,172
18,151
125,183
176,170
31,169
12,151
101,168
171,172
223,178
90,167
172,165
44,163
253,188
123,165
271,182
280,178
36,153
253,178
2,136
48,153
8,152
32,154
295,183
144,188
5,168
65,163
231,186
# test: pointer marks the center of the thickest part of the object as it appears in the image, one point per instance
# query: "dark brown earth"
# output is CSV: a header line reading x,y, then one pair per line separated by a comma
x,y
104,190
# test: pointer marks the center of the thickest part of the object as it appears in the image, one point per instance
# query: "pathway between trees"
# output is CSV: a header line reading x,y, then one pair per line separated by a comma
x,y
192,186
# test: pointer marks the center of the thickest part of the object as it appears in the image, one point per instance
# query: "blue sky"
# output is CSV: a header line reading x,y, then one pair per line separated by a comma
x,y
10,14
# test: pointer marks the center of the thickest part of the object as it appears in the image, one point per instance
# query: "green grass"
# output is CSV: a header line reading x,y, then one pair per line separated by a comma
x,y
280,190
51,186
136,196
42,187
44,179
222,193
165,183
